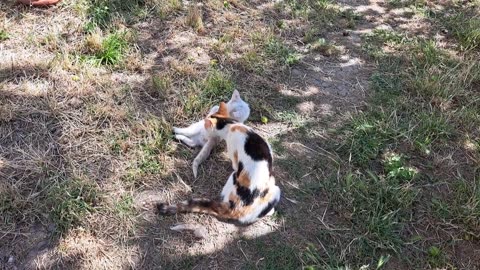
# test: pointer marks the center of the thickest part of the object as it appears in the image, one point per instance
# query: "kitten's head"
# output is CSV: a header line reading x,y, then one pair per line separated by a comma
x,y
235,96
216,122
238,109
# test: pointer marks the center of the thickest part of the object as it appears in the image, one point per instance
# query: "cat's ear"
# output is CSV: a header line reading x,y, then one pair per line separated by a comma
x,y
222,110
235,95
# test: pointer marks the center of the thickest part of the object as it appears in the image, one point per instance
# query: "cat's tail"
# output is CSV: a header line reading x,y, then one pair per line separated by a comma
x,y
206,206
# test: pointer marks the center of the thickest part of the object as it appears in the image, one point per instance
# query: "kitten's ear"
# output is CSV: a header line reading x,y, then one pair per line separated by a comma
x,y
235,95
208,123
222,110
213,110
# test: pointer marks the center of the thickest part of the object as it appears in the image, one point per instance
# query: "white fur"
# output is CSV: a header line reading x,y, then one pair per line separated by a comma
x,y
196,135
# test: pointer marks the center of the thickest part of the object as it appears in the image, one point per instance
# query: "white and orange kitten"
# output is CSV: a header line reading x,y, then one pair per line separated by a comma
x,y
250,192
196,134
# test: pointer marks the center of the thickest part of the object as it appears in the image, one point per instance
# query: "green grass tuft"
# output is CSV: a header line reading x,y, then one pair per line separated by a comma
x,y
70,202
277,255
217,86
161,86
466,28
112,49
283,54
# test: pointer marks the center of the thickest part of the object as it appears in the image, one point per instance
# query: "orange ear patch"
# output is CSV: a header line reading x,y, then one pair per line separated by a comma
x,y
239,128
222,110
208,123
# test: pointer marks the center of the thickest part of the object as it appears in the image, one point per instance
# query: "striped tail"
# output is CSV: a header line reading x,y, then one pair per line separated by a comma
x,y
206,206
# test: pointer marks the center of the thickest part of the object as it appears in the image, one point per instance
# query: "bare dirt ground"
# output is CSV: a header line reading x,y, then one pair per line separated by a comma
x,y
86,146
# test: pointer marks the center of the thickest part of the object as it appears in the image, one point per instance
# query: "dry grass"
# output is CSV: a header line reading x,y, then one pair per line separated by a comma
x,y
194,19
89,92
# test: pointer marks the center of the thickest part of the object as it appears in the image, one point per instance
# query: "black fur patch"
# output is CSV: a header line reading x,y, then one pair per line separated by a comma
x,y
222,122
268,208
257,148
232,204
235,179
166,210
240,168
246,195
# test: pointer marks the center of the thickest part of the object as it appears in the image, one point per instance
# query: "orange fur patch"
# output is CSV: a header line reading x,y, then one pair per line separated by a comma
x,y
239,128
244,179
234,198
267,198
235,158
238,212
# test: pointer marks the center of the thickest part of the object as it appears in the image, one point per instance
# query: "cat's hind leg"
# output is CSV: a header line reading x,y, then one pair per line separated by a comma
x,y
191,130
185,140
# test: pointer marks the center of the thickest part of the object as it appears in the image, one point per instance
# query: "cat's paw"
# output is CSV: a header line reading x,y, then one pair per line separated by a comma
x,y
195,169
270,213
176,130
187,141
166,210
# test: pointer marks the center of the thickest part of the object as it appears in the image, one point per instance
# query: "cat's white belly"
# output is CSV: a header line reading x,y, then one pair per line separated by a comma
x,y
228,188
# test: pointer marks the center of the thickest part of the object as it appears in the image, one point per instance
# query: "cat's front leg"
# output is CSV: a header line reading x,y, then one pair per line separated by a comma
x,y
203,154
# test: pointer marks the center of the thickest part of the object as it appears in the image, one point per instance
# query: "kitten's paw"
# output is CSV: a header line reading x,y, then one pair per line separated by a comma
x,y
166,210
176,130
195,169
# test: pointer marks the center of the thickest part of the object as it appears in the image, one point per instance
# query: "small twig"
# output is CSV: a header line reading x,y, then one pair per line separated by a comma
x,y
330,228
291,200
181,181
240,247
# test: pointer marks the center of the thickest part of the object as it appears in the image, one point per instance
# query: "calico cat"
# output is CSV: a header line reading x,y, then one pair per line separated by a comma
x,y
250,192
196,134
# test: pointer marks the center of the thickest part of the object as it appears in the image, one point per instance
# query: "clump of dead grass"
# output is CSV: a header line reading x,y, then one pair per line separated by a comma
x,y
194,19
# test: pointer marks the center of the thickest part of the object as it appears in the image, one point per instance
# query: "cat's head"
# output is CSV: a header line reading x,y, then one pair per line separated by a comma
x,y
217,122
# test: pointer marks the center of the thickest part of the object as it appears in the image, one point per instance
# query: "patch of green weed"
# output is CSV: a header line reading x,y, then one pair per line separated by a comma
x,y
325,48
396,168
436,258
3,35
282,53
